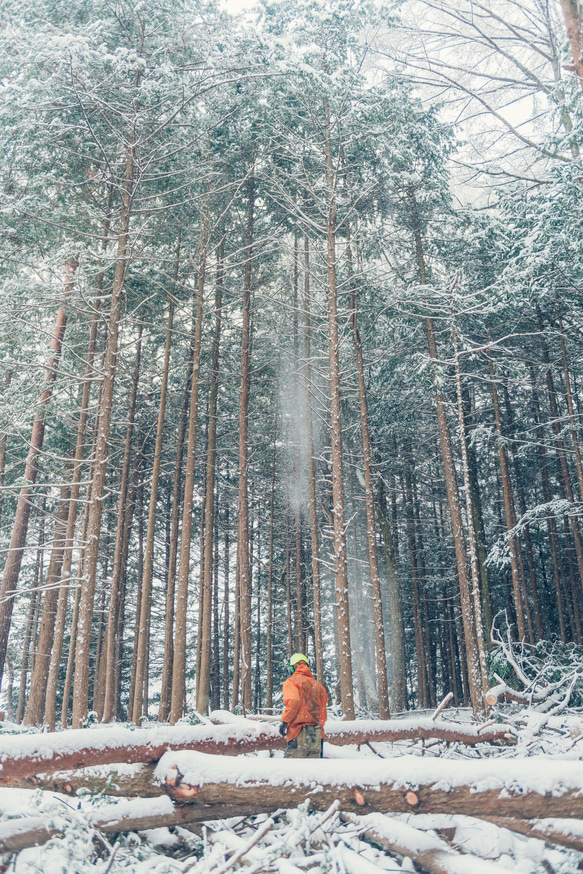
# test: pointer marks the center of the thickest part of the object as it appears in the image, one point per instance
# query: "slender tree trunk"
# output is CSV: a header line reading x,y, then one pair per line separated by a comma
x,y
469,625
28,643
226,612
203,677
547,496
398,656
20,526
38,682
110,667
340,565
179,656
377,602
269,628
526,528
244,570
166,690
561,454
3,439
141,706
473,549
82,650
422,688
570,406
316,585
508,508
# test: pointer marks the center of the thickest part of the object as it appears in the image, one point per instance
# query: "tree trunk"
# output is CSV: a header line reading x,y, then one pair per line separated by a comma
x,y
203,677
226,616
243,563
547,496
397,649
166,690
38,682
422,689
561,454
269,628
472,543
109,675
179,655
100,458
20,526
377,601
141,706
340,566
316,585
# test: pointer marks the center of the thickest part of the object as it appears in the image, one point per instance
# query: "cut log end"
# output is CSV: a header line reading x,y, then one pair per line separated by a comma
x,y
411,798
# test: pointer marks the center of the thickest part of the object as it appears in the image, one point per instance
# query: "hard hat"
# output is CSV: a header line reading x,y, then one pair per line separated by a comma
x,y
297,658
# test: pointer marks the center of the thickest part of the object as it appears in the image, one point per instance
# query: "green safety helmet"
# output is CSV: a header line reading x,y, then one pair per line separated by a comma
x,y
296,659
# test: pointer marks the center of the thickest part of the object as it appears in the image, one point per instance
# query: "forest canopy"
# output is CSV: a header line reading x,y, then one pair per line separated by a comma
x,y
291,351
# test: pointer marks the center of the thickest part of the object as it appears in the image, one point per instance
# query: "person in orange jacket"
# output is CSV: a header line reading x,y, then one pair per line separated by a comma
x,y
302,721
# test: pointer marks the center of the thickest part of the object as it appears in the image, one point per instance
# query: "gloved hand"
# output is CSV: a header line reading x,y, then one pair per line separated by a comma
x,y
283,728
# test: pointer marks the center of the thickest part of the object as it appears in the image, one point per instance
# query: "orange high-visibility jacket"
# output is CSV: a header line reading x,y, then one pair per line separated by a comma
x,y
305,701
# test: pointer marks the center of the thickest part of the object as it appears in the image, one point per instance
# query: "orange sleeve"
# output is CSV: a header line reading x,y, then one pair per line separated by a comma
x,y
291,699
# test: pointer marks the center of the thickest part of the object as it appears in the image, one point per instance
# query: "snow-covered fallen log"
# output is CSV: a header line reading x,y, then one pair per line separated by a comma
x,y
25,831
31,754
525,788
133,781
562,832
361,731
428,851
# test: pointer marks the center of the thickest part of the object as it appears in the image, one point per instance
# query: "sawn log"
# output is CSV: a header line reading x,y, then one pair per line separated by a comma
x,y
528,788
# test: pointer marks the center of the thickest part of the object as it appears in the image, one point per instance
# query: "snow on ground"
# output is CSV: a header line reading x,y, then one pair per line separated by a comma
x,y
299,840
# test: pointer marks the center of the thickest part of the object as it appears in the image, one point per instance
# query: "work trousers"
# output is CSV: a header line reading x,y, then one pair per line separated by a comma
x,y
307,745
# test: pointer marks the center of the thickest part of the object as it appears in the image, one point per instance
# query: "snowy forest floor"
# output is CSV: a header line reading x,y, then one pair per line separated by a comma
x,y
290,841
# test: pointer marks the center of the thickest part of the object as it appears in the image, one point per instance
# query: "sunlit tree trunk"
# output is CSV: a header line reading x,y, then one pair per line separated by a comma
x,y
269,627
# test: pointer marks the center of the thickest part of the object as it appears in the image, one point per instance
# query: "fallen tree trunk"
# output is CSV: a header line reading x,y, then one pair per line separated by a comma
x,y
65,751
526,788
118,779
26,831
552,831
429,852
